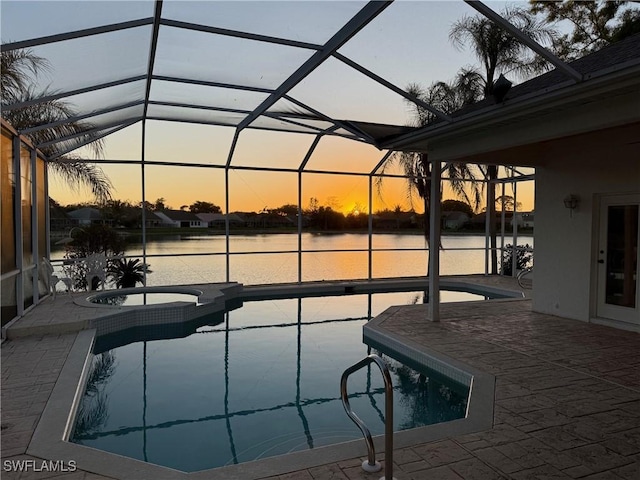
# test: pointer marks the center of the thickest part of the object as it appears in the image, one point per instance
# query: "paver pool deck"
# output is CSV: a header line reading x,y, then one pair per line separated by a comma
x,y
567,395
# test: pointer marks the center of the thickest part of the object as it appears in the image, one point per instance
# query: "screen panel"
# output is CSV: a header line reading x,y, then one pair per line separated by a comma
x,y
20,23
259,192
311,21
208,96
341,92
195,115
340,154
181,187
217,58
189,143
101,58
257,148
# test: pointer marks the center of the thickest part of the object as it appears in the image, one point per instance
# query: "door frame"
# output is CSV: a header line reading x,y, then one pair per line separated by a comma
x,y
615,313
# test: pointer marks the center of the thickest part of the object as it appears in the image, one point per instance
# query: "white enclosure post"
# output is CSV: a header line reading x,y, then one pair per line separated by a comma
x,y
434,245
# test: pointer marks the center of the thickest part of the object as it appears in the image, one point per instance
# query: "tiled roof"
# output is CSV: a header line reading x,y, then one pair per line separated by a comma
x,y
86,214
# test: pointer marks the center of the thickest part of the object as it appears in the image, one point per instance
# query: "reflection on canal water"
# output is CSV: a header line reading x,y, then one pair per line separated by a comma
x,y
205,261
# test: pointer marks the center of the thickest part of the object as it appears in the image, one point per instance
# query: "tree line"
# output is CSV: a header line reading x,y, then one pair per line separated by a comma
x,y
126,214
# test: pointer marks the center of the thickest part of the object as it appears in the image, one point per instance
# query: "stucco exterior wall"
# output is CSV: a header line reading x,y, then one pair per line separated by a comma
x,y
566,244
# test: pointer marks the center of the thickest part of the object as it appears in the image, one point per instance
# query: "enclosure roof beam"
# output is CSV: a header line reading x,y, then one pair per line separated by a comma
x,y
381,162
310,151
56,96
77,118
312,148
370,11
152,54
61,37
277,116
391,86
232,150
84,133
205,83
238,34
162,118
98,137
361,136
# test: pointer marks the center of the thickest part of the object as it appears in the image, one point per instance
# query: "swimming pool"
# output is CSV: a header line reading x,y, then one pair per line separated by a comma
x,y
256,382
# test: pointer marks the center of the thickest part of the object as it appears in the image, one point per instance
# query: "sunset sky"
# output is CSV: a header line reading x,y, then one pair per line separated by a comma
x,y
255,190
407,43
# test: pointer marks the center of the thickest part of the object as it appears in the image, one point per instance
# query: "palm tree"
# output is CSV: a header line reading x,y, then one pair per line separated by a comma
x,y
416,166
500,53
19,67
93,410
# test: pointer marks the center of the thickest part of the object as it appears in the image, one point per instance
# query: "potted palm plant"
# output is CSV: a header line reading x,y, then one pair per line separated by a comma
x,y
128,272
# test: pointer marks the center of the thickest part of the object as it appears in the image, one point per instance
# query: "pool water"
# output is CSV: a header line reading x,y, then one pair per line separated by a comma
x,y
259,381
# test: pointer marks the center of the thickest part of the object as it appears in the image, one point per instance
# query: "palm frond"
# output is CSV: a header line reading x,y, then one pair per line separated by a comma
x,y
51,112
80,174
61,131
497,50
465,182
18,68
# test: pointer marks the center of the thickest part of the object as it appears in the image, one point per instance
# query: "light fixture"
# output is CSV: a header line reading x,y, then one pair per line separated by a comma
x,y
500,88
571,202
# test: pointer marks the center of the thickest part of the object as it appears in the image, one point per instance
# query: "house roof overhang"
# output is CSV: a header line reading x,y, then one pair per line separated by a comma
x,y
609,99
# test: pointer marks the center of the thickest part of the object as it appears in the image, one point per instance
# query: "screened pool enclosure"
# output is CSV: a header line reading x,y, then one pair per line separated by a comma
x,y
248,105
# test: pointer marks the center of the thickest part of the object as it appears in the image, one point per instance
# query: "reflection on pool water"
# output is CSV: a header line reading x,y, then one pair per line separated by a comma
x,y
259,381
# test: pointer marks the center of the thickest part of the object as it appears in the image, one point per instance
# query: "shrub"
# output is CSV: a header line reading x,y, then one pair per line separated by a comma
x,y
524,258
87,241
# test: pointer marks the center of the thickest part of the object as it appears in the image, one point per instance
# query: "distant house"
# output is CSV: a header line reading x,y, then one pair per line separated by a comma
x,y
454,220
523,219
180,219
268,220
59,220
152,220
87,216
479,220
218,220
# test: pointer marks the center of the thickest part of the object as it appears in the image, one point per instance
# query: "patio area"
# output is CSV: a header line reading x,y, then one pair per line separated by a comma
x,y
567,400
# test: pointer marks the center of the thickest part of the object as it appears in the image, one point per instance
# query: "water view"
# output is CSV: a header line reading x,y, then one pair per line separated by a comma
x,y
192,259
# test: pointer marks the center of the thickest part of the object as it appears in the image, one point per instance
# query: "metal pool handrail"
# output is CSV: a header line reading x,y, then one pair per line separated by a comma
x,y
370,465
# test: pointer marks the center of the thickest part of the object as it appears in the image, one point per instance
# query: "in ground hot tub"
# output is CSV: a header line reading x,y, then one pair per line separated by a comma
x,y
141,307
136,297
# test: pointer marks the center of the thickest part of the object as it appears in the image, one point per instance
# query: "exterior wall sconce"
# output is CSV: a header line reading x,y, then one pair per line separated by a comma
x,y
571,202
